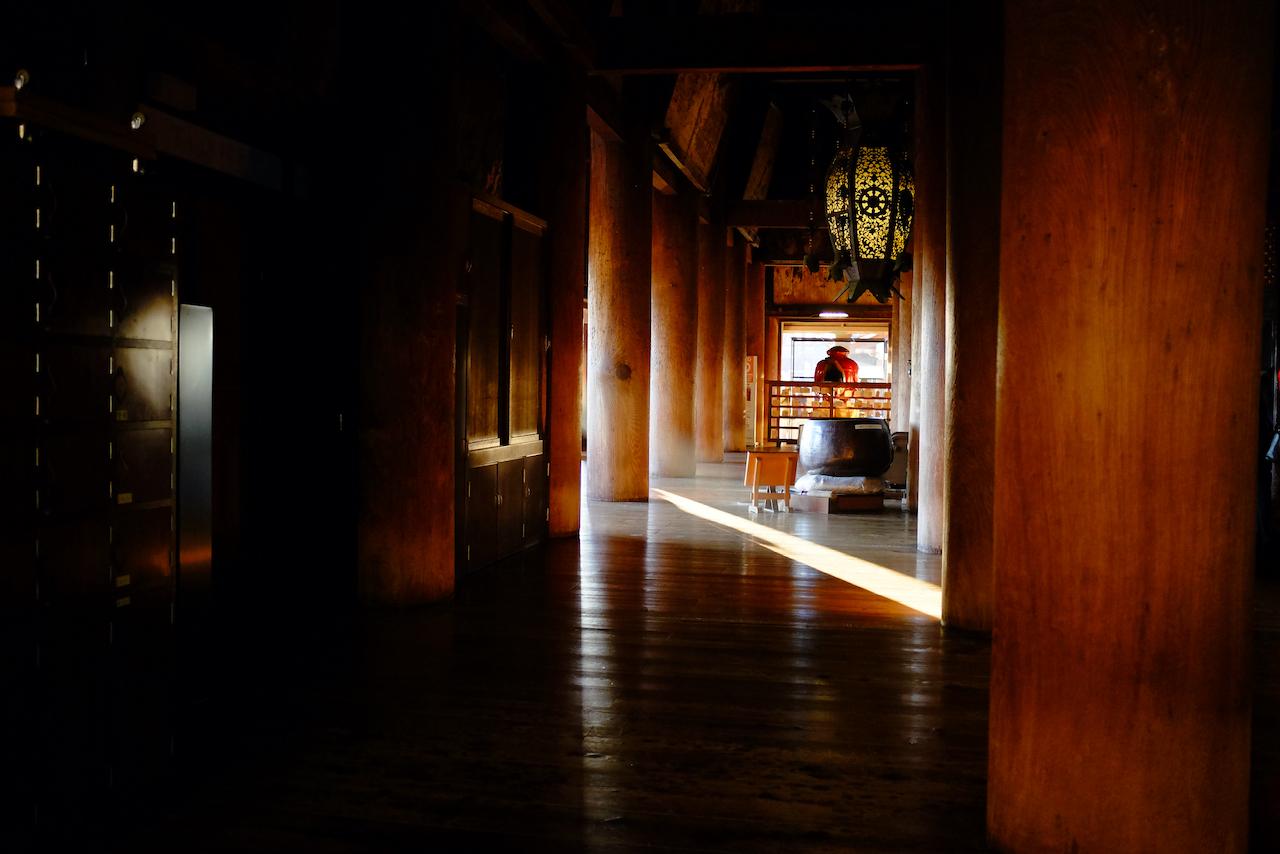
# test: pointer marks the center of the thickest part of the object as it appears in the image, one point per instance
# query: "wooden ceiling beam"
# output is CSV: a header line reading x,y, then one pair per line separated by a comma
x,y
740,44
775,213
187,141
73,121
694,124
511,25
757,186
567,28
666,178
604,109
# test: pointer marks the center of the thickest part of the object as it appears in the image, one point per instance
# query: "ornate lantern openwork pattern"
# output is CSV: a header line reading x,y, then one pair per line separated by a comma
x,y
870,201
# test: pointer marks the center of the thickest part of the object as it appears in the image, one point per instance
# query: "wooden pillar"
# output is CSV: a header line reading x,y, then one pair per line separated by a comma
x,y
564,160
414,242
672,448
931,289
1135,161
913,422
618,311
901,417
709,379
735,400
753,310
753,340
973,292
772,344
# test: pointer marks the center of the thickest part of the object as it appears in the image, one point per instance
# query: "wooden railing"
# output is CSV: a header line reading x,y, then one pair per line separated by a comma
x,y
792,403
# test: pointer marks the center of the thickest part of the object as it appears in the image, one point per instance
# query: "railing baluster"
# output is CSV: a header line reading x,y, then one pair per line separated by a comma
x,y
791,403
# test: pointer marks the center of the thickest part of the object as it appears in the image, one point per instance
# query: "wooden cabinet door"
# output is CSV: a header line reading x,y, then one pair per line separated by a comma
x,y
482,515
535,498
510,532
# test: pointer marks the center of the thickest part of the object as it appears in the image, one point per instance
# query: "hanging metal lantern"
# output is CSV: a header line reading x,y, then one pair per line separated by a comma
x,y
870,202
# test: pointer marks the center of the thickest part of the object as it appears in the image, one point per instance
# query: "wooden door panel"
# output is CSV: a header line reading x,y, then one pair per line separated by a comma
x,y
482,515
510,534
143,384
535,501
75,473
143,466
146,300
142,543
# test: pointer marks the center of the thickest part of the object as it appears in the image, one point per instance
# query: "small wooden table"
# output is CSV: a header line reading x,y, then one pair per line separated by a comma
x,y
773,469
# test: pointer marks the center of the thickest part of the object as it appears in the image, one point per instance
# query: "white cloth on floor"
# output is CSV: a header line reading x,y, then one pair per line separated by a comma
x,y
839,485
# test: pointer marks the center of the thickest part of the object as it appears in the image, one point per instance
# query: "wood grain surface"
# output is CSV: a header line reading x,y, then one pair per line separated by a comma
x,y
930,242
618,312
973,308
664,682
1135,159
565,163
672,448
900,356
735,288
709,379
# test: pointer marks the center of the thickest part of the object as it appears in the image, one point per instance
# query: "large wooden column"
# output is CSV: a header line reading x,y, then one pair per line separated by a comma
x,y
618,312
1135,162
709,378
901,331
913,417
753,335
973,268
672,448
564,160
414,240
930,289
772,344
735,399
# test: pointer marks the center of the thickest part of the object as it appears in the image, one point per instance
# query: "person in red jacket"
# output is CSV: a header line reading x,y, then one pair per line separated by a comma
x,y
837,367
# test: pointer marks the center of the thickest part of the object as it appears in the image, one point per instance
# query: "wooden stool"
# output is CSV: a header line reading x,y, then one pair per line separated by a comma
x,y
770,470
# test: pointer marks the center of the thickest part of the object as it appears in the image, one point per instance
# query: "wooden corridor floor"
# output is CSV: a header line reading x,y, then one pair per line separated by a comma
x,y
663,683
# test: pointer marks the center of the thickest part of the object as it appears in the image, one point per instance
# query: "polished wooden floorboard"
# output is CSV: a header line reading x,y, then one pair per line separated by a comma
x,y
662,683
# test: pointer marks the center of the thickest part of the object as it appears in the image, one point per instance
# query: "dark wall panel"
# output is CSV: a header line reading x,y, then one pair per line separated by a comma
x,y
75,560
485,340
75,473
526,333
73,293
75,380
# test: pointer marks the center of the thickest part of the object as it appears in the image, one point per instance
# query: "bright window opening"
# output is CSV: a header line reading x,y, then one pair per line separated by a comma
x,y
805,343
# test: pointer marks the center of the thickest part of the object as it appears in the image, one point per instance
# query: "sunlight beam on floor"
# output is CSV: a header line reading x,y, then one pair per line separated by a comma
x,y
912,592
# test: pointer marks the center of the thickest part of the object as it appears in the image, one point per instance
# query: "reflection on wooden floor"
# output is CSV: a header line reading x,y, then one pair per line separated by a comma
x,y
663,682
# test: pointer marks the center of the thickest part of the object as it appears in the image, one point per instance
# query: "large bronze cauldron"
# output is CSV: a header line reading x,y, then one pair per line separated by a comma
x,y
846,447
